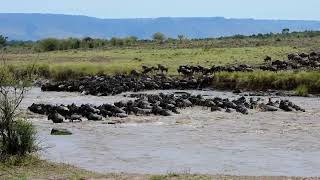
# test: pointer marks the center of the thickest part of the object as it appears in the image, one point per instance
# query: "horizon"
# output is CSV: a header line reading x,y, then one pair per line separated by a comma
x,y
182,17
125,9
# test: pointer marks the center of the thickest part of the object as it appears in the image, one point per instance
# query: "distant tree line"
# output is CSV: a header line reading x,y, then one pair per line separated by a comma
x,y
158,38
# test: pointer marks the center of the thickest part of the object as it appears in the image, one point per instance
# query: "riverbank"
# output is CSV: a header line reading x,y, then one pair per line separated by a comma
x,y
34,168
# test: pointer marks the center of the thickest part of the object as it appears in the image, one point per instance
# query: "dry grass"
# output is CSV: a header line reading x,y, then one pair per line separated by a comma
x,y
33,168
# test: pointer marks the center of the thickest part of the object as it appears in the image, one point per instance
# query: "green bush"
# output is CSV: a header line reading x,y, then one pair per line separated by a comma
x,y
23,140
25,134
49,44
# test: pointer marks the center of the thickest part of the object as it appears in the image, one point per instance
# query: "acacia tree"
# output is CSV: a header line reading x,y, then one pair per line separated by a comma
x,y
159,37
180,37
285,31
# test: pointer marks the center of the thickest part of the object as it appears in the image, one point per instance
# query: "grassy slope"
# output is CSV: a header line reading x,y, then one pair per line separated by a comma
x,y
123,60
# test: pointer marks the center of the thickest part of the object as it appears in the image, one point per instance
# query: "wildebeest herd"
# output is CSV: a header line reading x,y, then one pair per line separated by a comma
x,y
295,61
155,78
194,77
112,85
157,104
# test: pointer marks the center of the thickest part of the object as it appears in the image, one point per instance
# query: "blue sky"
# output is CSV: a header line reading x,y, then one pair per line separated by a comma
x,y
260,9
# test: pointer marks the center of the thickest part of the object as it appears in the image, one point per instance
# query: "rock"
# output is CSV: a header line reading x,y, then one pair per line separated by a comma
x,y
59,131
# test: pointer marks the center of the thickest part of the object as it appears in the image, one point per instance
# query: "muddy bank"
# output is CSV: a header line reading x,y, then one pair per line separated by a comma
x,y
196,140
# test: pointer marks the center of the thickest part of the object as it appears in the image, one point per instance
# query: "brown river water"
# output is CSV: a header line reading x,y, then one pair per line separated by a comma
x,y
195,141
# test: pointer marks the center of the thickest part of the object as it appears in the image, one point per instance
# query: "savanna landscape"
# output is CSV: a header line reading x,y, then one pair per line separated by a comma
x,y
239,106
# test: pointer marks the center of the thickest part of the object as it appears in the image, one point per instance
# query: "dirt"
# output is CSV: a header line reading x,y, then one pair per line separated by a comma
x,y
195,141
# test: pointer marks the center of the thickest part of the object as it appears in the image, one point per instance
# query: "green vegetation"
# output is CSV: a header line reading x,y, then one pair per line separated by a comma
x,y
123,60
284,38
261,80
31,167
302,90
17,136
159,37
3,41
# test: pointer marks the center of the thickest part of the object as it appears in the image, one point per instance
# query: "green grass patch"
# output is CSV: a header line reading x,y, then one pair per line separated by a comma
x,y
305,82
302,90
71,64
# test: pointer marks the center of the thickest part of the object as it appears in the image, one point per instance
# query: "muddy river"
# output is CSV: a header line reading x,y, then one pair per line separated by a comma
x,y
195,141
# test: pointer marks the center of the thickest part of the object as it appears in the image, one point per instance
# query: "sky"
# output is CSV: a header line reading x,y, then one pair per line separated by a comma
x,y
258,9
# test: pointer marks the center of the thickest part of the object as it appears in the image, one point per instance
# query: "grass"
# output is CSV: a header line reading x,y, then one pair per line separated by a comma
x,y
303,82
302,90
123,60
31,167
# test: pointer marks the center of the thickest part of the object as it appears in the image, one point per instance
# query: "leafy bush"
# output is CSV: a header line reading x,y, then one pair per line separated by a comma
x,y
23,139
24,135
49,44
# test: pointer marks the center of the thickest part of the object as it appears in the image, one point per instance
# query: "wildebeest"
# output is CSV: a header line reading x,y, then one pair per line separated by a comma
x,y
146,69
162,68
267,59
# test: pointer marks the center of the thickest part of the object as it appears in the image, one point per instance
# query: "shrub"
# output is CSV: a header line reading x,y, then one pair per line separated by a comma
x,y
23,139
49,44
17,137
158,36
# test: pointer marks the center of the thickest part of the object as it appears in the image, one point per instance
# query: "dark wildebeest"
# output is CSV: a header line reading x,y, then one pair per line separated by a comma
x,y
162,68
268,59
147,70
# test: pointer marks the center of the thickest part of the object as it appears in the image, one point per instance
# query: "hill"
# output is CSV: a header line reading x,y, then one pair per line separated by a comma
x,y
19,26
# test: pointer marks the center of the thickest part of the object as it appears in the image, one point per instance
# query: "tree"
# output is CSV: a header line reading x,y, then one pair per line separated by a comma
x,y
158,36
49,44
285,31
3,41
17,137
117,41
130,40
181,37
